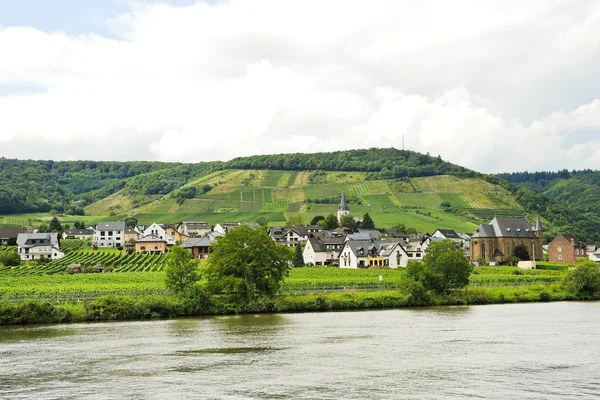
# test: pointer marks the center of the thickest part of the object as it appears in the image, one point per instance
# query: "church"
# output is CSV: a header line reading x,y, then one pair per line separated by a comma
x,y
496,241
343,208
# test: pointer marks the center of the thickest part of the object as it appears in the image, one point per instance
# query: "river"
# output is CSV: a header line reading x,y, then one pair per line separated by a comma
x,y
517,351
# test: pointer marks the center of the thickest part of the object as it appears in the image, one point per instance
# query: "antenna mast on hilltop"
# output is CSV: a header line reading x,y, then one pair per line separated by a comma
x,y
402,142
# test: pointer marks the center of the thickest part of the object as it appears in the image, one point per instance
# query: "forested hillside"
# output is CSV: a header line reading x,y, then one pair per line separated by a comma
x,y
395,185
67,186
571,199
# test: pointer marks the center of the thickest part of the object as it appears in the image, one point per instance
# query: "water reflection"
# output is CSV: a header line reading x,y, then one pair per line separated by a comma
x,y
518,351
32,333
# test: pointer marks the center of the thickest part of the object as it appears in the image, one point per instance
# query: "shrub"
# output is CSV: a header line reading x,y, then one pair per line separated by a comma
x,y
584,279
10,258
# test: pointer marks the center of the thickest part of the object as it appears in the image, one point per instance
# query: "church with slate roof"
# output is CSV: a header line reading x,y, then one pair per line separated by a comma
x,y
343,208
496,241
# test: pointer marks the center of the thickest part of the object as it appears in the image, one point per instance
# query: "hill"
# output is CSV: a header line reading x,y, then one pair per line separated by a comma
x,y
394,186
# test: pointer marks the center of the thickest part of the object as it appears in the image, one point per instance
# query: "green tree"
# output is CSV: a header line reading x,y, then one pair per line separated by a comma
x,y
298,261
181,272
248,264
131,222
262,221
446,266
79,225
294,220
443,268
316,219
43,228
55,226
367,222
522,253
348,221
584,279
330,222
399,227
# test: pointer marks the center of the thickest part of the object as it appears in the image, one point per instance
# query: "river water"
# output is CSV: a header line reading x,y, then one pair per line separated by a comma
x,y
519,351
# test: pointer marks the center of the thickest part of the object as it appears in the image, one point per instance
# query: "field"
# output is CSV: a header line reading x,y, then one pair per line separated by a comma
x,y
139,262
33,283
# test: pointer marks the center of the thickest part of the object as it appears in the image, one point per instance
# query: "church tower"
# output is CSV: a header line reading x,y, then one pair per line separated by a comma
x,y
538,247
343,207
539,231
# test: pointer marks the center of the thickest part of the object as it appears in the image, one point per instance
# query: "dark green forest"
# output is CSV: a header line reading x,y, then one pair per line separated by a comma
x,y
380,163
67,186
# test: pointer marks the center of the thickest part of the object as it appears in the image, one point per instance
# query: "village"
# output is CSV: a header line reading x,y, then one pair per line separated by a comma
x,y
503,241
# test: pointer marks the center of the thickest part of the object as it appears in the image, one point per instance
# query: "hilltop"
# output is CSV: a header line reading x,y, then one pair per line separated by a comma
x,y
394,186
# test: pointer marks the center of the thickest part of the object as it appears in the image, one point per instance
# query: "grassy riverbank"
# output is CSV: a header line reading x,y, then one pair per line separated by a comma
x,y
154,306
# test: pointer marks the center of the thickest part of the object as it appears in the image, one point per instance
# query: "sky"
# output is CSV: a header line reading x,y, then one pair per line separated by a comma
x,y
492,85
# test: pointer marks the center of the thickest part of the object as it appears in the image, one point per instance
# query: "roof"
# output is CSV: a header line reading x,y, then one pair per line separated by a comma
x,y
195,224
150,238
538,223
47,239
343,203
449,233
506,227
12,232
318,241
203,241
360,248
110,226
79,232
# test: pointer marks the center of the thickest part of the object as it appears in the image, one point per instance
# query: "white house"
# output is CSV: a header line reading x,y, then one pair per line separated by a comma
x,y
78,234
378,253
323,249
159,232
224,227
34,246
288,236
194,228
109,234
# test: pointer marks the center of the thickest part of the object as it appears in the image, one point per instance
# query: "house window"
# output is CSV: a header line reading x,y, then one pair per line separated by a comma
x,y
560,249
560,257
143,247
155,247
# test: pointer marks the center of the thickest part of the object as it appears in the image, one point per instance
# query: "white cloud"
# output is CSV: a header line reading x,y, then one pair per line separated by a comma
x,y
492,85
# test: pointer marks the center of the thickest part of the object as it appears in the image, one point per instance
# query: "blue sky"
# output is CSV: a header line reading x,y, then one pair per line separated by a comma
x,y
74,17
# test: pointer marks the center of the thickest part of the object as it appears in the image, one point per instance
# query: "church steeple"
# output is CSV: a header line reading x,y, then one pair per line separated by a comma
x,y
343,208
343,203
538,230
538,224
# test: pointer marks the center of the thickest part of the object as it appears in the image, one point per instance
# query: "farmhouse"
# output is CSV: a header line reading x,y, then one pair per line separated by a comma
x,y
8,236
131,234
84,234
323,248
567,251
496,241
35,246
110,234
379,253
288,236
151,244
224,227
193,228
200,247
174,233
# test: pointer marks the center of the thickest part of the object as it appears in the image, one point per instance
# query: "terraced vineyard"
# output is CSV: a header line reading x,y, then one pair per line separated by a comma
x,y
68,245
138,262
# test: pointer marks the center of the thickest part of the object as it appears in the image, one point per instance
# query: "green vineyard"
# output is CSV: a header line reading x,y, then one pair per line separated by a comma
x,y
138,262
